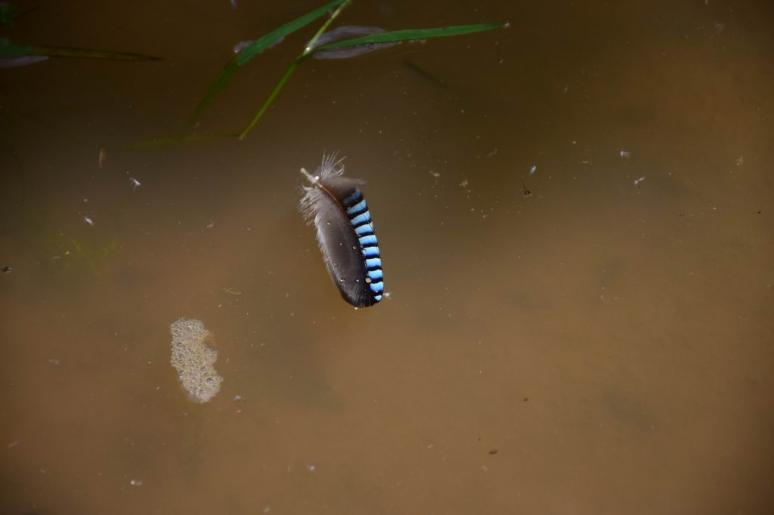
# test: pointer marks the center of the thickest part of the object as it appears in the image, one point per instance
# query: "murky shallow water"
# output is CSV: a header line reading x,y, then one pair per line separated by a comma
x,y
596,347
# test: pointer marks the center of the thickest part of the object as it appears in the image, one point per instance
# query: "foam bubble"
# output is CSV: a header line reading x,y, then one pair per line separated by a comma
x,y
194,360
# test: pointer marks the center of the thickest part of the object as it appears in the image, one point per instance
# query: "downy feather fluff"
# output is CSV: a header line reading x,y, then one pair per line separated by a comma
x,y
345,233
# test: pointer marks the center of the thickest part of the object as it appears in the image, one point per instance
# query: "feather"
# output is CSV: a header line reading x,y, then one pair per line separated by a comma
x,y
345,232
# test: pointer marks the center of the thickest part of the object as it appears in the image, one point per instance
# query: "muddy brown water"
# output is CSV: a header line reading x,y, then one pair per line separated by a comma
x,y
595,347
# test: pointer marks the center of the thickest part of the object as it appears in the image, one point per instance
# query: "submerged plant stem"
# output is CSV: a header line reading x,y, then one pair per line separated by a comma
x,y
290,70
312,42
257,47
269,101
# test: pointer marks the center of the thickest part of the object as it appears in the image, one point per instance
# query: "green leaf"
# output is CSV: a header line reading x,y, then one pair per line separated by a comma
x,y
270,100
267,40
8,49
7,13
256,48
291,69
412,35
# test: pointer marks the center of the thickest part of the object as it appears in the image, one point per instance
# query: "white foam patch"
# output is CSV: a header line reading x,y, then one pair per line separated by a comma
x,y
194,360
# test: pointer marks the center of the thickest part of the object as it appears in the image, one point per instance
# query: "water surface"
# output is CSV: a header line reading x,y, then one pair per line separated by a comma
x,y
590,346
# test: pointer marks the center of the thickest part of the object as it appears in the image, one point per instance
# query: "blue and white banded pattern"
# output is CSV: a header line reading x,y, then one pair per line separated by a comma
x,y
357,210
345,232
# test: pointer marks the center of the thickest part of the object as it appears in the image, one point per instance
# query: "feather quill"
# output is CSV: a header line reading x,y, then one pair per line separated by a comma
x,y
345,235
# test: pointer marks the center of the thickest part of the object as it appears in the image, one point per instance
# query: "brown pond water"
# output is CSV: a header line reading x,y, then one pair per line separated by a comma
x,y
597,347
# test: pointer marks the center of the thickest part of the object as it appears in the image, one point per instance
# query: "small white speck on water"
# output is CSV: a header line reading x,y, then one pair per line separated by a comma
x,y
311,468
134,183
434,174
639,180
624,154
464,184
88,221
533,169
740,161
135,482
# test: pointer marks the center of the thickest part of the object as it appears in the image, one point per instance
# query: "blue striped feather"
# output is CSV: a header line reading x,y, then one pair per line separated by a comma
x,y
345,232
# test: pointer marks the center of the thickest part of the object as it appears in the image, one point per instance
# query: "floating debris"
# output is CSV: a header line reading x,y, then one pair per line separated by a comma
x,y
464,184
639,180
7,269
242,45
87,220
435,174
348,32
194,360
135,183
232,291
740,161
624,154
533,169
102,157
135,482
524,191
246,43
24,60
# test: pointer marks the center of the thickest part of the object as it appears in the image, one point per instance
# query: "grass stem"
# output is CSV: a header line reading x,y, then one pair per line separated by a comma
x,y
290,70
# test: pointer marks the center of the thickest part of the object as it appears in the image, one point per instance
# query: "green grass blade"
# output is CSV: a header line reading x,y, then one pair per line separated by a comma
x,y
311,43
291,69
88,53
7,13
267,40
220,83
412,35
270,100
8,49
256,48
